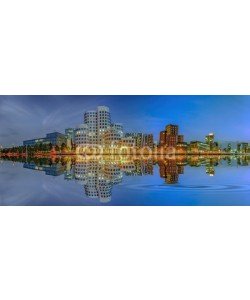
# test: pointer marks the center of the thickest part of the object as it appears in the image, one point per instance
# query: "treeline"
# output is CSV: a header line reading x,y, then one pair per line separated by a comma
x,y
40,161
31,150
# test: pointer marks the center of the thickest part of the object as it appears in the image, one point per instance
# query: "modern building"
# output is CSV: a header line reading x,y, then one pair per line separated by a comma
x,y
243,148
97,179
170,170
170,136
128,142
209,140
113,135
197,146
82,134
103,122
98,130
142,139
95,124
70,137
51,170
54,138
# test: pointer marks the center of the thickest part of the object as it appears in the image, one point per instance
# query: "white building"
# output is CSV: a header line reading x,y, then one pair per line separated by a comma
x,y
97,129
82,135
113,135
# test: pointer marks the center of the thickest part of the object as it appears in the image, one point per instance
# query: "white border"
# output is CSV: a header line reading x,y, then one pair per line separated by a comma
x,y
124,47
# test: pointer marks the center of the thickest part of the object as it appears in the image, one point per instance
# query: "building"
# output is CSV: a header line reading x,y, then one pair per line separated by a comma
x,y
95,125
142,139
103,122
170,136
243,148
209,140
197,146
54,138
51,170
70,137
128,142
98,178
113,135
82,134
170,170
98,130
229,147
148,140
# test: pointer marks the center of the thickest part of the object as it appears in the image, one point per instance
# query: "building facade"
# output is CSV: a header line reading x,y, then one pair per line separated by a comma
x,y
54,138
95,125
142,139
170,136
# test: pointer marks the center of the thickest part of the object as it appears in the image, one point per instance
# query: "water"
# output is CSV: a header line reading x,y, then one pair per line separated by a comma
x,y
126,181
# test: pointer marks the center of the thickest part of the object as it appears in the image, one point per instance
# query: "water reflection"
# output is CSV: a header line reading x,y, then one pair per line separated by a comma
x,y
98,176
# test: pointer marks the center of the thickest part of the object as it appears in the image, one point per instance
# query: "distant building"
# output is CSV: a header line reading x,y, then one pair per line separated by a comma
x,y
243,148
197,146
70,137
229,147
209,140
70,133
54,138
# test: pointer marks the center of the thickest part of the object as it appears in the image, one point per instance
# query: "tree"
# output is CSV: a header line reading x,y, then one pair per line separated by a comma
x,y
63,147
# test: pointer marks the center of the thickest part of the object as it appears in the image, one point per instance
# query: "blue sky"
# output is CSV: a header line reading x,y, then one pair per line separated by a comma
x,y
26,117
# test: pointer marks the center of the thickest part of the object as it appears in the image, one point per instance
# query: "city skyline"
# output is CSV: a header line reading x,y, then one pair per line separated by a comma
x,y
27,117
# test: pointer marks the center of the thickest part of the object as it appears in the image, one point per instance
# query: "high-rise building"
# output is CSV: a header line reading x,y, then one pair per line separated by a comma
x,y
148,140
170,171
142,139
243,148
180,139
82,135
170,137
90,121
210,140
172,129
92,131
103,122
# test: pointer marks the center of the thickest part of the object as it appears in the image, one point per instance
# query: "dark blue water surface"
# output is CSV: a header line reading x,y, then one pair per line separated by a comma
x,y
126,181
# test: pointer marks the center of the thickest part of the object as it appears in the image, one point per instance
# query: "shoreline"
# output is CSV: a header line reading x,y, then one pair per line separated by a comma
x,y
116,154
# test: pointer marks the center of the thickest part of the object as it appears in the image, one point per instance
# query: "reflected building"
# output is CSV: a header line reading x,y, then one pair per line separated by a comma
x,y
52,170
170,170
99,176
243,148
210,170
243,160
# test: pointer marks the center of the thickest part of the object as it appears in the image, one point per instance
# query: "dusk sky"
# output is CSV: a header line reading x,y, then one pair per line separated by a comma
x,y
27,117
